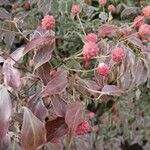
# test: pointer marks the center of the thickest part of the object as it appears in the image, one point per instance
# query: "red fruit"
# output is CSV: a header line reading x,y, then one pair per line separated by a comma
x,y
102,2
14,5
27,5
91,37
95,129
75,9
146,11
31,63
83,128
103,69
144,30
111,8
48,22
117,54
138,21
91,115
90,50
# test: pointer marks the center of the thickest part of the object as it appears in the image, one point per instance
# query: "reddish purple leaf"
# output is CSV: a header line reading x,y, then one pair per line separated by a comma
x,y
9,38
15,56
4,143
5,112
73,116
57,84
11,76
112,90
40,32
139,73
38,108
4,14
59,106
38,43
129,11
54,146
84,85
2,2
33,133
107,30
56,129
44,54
44,73
18,117
137,42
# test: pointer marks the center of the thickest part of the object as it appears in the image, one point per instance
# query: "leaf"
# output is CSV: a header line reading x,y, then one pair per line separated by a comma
x,y
5,112
73,116
40,32
38,43
33,133
12,76
44,73
139,73
4,143
9,38
59,106
4,14
38,108
54,146
44,54
83,86
112,90
16,55
57,84
129,11
56,129
137,42
2,2
107,30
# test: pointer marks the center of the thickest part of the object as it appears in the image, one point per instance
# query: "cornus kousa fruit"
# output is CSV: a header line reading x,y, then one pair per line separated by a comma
x,y
95,129
138,21
90,50
117,54
27,5
144,30
146,11
75,9
83,128
48,22
14,5
102,2
103,69
91,115
111,8
91,37
31,63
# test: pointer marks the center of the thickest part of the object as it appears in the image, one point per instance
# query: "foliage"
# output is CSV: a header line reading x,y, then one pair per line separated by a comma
x,y
48,86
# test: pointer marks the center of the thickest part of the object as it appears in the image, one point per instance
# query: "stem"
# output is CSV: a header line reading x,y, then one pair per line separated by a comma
x,y
20,31
81,24
5,30
84,71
